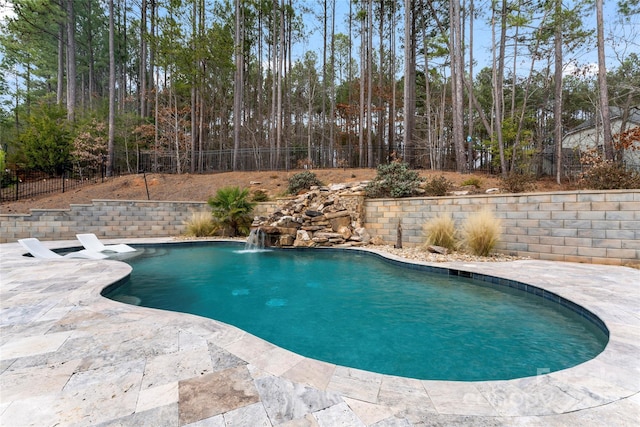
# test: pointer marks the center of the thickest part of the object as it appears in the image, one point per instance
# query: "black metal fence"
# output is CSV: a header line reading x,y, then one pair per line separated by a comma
x,y
21,184
265,158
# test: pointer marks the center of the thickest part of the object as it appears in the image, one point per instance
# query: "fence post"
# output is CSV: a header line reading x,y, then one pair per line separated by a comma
x,y
63,172
145,184
17,179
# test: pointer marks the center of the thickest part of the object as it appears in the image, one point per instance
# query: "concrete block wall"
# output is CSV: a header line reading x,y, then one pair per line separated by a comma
x,y
581,226
105,218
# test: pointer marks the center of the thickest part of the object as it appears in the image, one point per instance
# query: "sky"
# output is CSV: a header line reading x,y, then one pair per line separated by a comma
x,y
5,8
583,59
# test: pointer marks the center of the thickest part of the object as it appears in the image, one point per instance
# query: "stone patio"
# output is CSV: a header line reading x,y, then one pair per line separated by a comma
x,y
69,357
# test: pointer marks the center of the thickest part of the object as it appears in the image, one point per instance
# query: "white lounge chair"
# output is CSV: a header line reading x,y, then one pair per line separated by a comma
x,y
91,242
38,250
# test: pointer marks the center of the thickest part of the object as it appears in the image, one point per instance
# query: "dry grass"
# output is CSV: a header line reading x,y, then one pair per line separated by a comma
x,y
440,231
201,224
481,233
195,187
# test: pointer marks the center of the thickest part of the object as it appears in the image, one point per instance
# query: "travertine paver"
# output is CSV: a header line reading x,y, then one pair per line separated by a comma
x,y
69,357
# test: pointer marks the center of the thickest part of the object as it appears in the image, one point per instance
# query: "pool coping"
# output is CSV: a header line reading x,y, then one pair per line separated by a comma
x,y
604,388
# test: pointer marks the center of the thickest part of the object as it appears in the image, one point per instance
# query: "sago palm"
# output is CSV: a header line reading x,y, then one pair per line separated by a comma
x,y
231,208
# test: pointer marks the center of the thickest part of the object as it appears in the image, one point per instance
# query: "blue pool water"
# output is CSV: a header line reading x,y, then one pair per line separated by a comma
x,y
354,309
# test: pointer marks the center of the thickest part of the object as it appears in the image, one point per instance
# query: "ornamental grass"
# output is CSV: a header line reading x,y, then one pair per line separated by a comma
x,y
440,231
481,233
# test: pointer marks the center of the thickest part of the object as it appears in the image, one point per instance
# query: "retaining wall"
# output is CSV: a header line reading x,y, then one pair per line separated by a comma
x,y
582,226
106,218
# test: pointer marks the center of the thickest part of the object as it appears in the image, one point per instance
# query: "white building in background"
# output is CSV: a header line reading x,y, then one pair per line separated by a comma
x,y
589,135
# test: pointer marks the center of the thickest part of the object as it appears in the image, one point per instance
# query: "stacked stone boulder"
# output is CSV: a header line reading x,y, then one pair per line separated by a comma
x,y
322,216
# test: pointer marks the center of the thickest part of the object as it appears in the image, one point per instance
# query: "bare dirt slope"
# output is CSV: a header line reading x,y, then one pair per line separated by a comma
x,y
188,187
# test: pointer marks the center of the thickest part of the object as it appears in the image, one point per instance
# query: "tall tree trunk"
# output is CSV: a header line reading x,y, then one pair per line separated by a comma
x,y
514,80
602,86
457,88
201,32
152,48
71,62
557,101
392,80
361,161
61,61
427,106
143,59
176,129
441,127
409,80
238,87
274,89
194,87
279,84
470,89
91,60
112,93
380,100
350,79
122,70
156,133
498,83
369,83
287,84
323,114
259,84
310,119
332,86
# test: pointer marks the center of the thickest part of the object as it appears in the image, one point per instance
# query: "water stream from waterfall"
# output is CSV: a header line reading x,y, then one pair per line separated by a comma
x,y
255,242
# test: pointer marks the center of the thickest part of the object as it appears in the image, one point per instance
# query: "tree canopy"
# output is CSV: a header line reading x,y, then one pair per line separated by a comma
x,y
211,85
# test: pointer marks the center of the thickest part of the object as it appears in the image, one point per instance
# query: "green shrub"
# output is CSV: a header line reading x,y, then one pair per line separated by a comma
x,y
5,177
609,176
481,233
260,196
517,183
302,181
231,210
394,180
46,140
440,231
200,225
475,182
437,186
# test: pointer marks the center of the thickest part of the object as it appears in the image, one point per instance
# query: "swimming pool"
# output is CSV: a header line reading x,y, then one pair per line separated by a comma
x,y
356,310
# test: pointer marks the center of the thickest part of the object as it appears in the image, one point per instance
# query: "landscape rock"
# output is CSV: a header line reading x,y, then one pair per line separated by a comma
x,y
340,222
321,216
376,240
286,240
337,187
360,234
345,232
303,239
437,249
